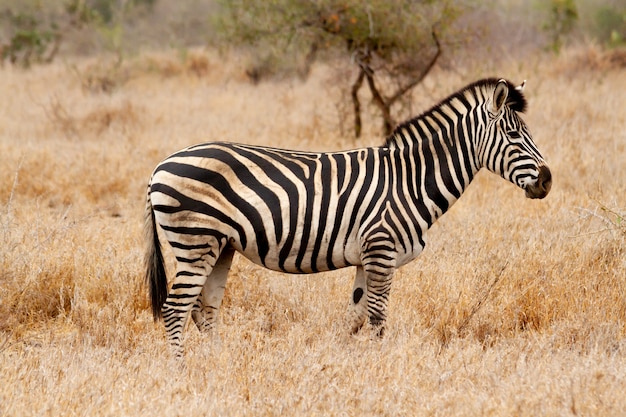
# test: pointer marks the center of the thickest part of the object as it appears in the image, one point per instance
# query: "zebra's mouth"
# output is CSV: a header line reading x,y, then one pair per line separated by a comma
x,y
542,186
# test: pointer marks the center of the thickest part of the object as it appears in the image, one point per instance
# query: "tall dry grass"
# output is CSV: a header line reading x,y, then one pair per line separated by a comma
x,y
516,307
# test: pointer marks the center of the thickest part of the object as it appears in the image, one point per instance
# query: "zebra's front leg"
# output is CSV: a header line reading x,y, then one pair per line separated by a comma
x,y
358,305
378,288
370,295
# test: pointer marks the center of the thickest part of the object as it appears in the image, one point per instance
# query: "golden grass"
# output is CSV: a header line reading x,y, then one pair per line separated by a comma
x,y
516,307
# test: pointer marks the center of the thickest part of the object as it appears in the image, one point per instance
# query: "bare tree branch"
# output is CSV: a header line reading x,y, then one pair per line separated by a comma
x,y
415,81
392,52
388,122
356,103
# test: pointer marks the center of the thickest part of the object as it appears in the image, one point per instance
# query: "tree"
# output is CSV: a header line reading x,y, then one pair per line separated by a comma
x,y
393,43
35,29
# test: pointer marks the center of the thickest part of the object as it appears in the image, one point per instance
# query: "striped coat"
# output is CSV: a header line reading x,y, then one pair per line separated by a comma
x,y
302,212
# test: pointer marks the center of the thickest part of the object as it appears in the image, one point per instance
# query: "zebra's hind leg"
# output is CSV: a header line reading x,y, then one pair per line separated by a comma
x,y
193,267
205,311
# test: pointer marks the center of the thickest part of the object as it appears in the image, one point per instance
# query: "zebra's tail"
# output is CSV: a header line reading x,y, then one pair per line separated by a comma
x,y
155,269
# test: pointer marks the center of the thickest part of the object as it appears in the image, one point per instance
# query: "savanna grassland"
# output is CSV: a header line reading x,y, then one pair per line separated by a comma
x,y
515,307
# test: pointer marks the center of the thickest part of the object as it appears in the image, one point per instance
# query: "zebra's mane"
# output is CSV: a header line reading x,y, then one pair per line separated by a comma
x,y
515,100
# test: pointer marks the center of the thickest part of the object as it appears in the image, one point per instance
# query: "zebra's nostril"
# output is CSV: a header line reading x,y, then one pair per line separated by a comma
x,y
546,185
545,178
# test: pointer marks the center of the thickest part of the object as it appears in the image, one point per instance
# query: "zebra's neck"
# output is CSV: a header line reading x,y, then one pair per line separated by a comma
x,y
435,158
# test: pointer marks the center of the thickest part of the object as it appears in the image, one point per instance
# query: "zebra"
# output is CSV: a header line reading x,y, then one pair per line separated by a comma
x,y
305,212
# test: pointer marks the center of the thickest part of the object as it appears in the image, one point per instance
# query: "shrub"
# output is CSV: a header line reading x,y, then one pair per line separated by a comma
x,y
393,44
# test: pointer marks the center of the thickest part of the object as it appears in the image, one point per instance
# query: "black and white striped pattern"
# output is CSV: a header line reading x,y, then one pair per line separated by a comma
x,y
302,212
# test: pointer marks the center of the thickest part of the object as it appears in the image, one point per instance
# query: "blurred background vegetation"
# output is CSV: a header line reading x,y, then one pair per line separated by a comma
x,y
33,31
385,47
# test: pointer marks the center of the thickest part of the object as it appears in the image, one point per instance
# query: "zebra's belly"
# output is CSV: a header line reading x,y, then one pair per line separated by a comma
x,y
302,260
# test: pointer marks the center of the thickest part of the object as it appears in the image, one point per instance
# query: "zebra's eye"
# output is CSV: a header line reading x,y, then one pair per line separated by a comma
x,y
513,134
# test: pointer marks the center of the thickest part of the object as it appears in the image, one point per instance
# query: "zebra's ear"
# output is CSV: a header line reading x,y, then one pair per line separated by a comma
x,y
500,95
520,87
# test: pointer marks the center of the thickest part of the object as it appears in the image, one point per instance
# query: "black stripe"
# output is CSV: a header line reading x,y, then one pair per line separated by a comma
x,y
275,175
180,296
305,230
453,150
396,229
187,260
288,160
340,170
383,173
326,183
440,155
179,285
353,172
413,179
400,169
365,185
221,185
416,194
430,182
248,179
465,151
180,245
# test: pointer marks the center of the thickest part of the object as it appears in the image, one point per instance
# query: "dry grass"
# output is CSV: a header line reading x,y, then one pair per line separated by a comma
x,y
516,307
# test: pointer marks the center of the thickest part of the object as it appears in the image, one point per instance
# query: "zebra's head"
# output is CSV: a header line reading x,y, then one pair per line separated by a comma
x,y
509,150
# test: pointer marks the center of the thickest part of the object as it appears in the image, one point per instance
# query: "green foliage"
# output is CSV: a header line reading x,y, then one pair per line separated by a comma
x,y
107,17
398,40
610,26
386,29
563,16
32,40
615,219
106,11
82,12
35,29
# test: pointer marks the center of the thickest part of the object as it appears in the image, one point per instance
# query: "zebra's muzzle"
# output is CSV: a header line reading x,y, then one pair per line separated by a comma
x,y
542,186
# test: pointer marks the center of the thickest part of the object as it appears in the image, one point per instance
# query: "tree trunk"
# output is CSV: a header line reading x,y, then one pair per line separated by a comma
x,y
356,104
363,58
383,105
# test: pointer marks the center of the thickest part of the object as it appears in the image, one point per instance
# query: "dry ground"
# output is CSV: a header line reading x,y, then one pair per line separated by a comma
x,y
516,307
